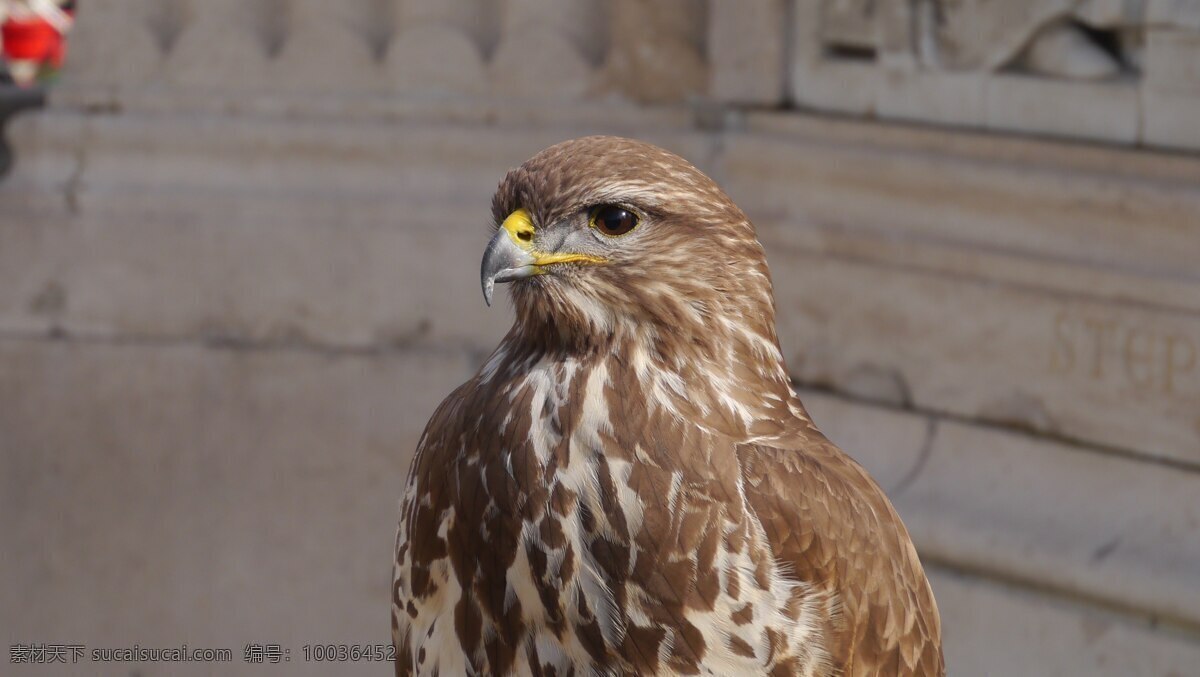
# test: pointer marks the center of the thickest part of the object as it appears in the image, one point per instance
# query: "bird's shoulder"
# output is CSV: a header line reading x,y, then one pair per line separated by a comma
x,y
833,527
468,408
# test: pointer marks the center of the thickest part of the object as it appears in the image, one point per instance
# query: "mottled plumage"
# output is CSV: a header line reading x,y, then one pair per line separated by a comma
x,y
629,484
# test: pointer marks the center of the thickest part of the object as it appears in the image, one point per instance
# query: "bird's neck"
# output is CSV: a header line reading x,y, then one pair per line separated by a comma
x,y
727,377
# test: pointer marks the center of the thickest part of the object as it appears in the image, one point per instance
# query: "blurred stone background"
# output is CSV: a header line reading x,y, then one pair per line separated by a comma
x,y
239,252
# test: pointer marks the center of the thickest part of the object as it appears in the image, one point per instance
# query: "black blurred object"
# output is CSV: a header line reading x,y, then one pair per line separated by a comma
x,y
13,99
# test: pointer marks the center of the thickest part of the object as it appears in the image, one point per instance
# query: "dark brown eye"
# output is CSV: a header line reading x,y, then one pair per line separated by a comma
x,y
613,220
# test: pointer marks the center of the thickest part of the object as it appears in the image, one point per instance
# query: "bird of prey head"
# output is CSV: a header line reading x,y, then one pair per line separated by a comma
x,y
601,236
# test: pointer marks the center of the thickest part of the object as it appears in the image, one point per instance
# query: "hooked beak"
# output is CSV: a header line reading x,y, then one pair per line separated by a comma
x,y
504,261
511,255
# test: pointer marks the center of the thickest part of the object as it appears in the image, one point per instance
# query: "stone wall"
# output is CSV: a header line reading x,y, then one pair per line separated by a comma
x,y
235,282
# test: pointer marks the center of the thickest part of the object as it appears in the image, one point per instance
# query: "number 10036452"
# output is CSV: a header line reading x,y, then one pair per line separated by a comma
x,y
348,653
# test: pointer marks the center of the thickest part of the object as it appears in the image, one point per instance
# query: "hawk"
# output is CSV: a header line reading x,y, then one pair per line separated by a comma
x,y
629,485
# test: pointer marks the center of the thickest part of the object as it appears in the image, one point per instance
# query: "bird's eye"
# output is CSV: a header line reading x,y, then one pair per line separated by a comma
x,y
613,220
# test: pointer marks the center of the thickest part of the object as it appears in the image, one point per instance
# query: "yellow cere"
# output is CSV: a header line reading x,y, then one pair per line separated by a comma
x,y
520,229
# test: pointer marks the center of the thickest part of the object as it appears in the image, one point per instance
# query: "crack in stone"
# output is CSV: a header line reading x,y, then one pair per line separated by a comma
x,y
1074,443
74,182
1105,550
55,334
931,426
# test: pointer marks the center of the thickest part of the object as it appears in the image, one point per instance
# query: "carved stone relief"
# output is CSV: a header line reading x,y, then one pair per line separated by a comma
x,y
1068,38
983,62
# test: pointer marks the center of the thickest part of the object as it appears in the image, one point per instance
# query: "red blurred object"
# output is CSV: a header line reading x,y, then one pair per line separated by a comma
x,y
33,39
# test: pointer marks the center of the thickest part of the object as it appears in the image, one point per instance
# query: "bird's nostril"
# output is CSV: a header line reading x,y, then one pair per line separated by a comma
x,y
525,235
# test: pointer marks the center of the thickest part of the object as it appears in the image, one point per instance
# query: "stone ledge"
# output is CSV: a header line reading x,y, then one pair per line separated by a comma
x,y
998,102
1047,275
997,629
1104,111
1098,526
266,155
1103,527
610,112
977,148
